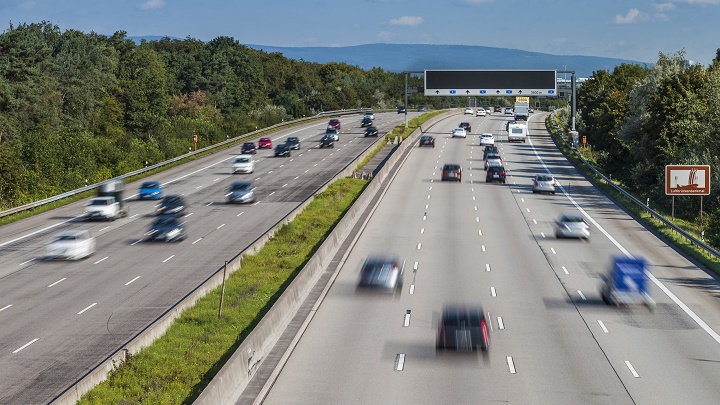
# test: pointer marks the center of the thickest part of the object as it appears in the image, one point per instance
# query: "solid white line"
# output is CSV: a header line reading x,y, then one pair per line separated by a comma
x,y
220,226
240,213
501,324
482,247
197,241
553,250
602,325
26,345
101,260
401,362
632,369
487,266
511,364
581,294
128,283
136,242
492,292
412,288
415,266
5,307
168,258
419,246
103,229
26,262
88,307
57,282
565,270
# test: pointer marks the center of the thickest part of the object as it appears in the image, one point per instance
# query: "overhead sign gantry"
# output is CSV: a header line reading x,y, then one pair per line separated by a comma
x,y
505,83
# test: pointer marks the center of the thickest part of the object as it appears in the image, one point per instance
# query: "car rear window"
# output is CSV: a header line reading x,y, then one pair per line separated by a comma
x,y
544,178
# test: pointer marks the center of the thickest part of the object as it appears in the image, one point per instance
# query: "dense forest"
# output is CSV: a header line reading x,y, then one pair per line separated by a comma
x,y
639,119
77,107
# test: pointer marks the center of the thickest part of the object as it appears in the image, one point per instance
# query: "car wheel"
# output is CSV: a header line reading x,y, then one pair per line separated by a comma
x,y
553,193
534,191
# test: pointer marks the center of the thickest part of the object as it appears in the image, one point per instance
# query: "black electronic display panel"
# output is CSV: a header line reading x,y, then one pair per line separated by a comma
x,y
490,83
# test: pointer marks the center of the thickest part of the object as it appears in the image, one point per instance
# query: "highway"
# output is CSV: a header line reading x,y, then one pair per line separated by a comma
x,y
553,340
61,318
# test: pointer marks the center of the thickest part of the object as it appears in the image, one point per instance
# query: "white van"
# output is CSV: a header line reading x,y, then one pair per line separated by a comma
x,y
243,164
517,132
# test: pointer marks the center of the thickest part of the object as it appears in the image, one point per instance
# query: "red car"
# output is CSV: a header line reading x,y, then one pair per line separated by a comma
x,y
265,143
334,123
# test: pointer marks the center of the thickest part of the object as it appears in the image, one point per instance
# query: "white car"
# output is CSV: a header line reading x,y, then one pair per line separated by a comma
x,y
468,110
480,112
244,164
487,138
459,132
102,208
370,114
572,226
71,245
544,183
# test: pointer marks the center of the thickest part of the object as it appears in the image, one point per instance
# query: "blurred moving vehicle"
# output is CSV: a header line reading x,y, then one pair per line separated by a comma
x,y
426,140
487,138
366,122
369,114
166,228
544,183
109,203
480,112
371,131
459,133
172,204
493,159
334,123
497,108
327,141
487,109
150,190
421,108
293,142
531,110
282,150
626,283
401,109
70,245
248,148
241,192
334,133
508,110
463,328
572,226
265,143
244,164
468,110
495,173
381,272
490,149
466,126
451,171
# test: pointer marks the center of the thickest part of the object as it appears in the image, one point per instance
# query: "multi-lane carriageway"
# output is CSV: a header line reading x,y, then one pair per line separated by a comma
x,y
553,341
59,319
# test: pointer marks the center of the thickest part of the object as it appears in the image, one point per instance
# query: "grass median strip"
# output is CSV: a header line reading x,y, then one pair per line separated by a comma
x,y
177,366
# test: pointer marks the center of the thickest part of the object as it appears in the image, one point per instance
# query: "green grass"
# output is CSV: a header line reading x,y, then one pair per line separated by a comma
x,y
179,365
643,216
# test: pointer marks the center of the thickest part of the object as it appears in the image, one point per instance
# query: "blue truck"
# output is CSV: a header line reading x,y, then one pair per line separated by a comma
x,y
627,283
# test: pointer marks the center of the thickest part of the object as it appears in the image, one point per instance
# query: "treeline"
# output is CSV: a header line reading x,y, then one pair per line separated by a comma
x,y
639,119
77,107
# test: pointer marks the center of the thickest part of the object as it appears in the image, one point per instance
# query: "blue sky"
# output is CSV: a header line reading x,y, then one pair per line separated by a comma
x,y
630,29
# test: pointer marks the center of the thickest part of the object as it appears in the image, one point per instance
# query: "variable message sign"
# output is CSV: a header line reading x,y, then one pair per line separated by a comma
x,y
491,83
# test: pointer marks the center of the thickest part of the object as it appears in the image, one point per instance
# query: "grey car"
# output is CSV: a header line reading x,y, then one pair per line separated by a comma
x,y
463,328
241,192
382,273
572,226
544,183
166,228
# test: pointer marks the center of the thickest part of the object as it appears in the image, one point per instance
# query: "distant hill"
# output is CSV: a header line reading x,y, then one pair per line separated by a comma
x,y
399,57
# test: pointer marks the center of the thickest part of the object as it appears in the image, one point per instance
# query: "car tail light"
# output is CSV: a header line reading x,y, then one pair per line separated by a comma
x,y
536,183
486,337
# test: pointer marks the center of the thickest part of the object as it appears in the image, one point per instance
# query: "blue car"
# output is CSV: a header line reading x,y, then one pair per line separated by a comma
x,y
150,190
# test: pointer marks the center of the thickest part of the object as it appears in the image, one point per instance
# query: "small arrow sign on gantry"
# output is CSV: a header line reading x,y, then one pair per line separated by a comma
x,y
467,91
519,91
437,91
497,91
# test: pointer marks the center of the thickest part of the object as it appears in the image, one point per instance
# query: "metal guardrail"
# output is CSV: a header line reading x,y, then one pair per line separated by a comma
x,y
709,249
71,193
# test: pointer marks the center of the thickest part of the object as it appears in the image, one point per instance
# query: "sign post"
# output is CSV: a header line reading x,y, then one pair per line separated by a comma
x,y
687,180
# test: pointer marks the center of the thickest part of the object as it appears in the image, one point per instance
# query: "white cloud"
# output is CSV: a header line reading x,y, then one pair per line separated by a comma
x,y
407,20
152,5
662,7
631,16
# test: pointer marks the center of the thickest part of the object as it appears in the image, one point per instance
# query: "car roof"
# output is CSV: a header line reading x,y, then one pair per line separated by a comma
x,y
264,139
73,232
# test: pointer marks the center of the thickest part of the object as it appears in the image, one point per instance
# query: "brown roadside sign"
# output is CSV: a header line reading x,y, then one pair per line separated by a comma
x,y
687,180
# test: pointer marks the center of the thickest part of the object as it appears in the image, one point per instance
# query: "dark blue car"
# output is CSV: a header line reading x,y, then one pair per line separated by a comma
x,y
150,190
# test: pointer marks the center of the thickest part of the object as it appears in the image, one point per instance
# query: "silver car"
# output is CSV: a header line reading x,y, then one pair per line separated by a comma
x,y
544,183
493,159
572,226
71,245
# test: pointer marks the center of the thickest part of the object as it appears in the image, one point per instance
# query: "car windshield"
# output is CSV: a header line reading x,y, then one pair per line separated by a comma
x,y
249,144
293,139
65,238
571,219
150,184
165,220
172,200
240,187
486,136
264,139
101,201
242,160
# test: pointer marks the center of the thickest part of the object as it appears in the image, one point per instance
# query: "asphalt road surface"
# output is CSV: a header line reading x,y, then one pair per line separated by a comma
x,y
61,318
553,341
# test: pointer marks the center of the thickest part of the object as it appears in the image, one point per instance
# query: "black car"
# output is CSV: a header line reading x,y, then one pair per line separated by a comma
x,y
427,140
463,328
248,148
293,142
282,150
371,131
495,173
451,171
172,205
366,122
241,192
167,228
327,141
381,272
421,108
402,109
489,149
466,125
